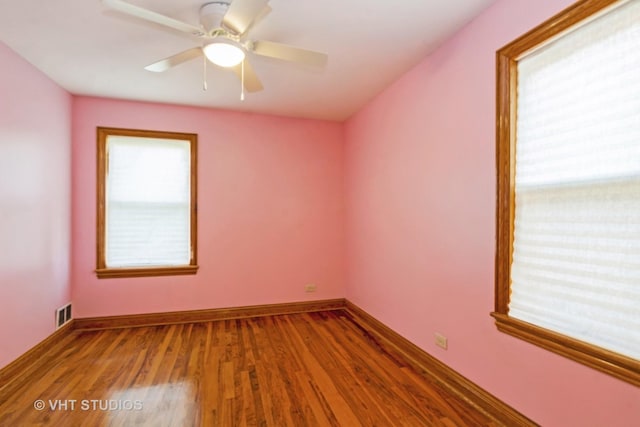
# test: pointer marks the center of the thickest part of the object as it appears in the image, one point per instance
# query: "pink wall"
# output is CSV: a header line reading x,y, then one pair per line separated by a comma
x,y
35,204
419,165
420,194
270,206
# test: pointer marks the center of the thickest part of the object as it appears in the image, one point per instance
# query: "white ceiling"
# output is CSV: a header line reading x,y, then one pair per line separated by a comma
x,y
89,50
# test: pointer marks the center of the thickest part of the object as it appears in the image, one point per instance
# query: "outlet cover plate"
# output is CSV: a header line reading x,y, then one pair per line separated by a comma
x,y
441,341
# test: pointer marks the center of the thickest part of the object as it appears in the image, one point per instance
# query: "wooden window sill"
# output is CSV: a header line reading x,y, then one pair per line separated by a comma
x,y
104,273
612,363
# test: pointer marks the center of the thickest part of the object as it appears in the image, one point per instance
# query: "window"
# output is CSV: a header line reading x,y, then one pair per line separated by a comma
x,y
146,203
568,201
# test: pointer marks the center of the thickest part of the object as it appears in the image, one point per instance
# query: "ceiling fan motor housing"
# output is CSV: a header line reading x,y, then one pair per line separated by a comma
x,y
211,14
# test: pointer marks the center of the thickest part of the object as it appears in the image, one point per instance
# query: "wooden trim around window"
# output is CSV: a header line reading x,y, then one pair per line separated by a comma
x,y
612,363
147,271
102,270
507,58
505,166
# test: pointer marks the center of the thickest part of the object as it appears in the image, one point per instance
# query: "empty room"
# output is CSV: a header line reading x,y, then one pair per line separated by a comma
x,y
302,213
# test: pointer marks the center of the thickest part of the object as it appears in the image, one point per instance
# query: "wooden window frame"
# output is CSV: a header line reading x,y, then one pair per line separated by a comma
x,y
612,363
102,270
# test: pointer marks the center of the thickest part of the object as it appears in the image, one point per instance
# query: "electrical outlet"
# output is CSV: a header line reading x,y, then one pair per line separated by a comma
x,y
441,341
310,287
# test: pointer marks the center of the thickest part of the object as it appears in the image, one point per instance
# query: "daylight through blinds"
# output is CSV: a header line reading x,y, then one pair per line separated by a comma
x,y
576,257
148,202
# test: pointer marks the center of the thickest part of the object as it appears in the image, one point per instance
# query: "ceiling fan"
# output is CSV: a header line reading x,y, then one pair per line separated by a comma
x,y
223,28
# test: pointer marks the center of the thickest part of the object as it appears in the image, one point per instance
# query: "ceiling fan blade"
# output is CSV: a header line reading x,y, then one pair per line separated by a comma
x,y
289,53
261,15
172,61
151,16
251,81
242,13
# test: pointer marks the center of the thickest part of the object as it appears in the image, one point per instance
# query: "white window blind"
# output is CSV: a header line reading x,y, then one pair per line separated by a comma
x,y
576,257
148,202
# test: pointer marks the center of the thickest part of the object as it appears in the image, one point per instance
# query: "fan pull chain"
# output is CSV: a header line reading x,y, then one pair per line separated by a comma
x,y
204,73
242,81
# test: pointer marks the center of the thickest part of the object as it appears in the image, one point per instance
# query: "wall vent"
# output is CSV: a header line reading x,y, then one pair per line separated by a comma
x,y
63,315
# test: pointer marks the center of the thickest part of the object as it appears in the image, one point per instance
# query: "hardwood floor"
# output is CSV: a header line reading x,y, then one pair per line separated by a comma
x,y
309,369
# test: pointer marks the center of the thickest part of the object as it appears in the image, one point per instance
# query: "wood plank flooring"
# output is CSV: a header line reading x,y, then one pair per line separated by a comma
x,y
310,369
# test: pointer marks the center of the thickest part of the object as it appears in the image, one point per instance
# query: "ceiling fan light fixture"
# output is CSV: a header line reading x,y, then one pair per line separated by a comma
x,y
224,53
